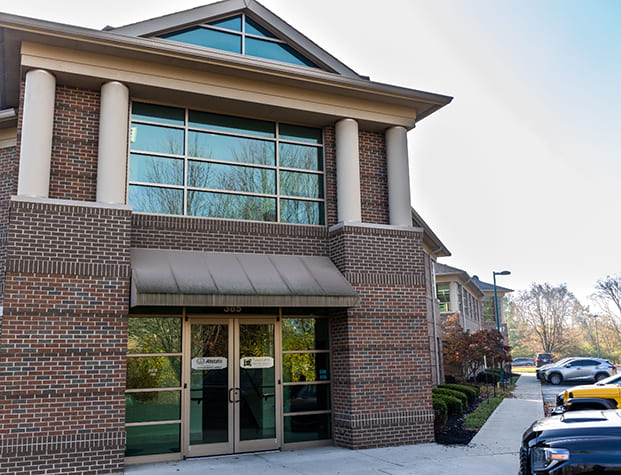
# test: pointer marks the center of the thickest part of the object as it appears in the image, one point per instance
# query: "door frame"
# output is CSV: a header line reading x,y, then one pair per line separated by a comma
x,y
233,445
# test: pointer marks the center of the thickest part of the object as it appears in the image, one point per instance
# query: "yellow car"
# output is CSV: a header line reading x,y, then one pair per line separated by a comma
x,y
607,388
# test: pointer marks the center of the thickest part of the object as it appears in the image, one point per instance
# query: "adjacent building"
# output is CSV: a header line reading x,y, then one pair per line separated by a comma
x,y
433,249
459,294
470,298
489,305
207,245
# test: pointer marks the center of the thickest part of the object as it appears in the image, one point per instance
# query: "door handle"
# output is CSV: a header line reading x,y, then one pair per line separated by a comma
x,y
234,394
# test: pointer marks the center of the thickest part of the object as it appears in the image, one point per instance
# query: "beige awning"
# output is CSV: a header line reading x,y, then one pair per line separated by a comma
x,y
213,279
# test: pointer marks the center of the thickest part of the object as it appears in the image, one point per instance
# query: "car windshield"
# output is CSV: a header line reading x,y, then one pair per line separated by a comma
x,y
563,361
614,379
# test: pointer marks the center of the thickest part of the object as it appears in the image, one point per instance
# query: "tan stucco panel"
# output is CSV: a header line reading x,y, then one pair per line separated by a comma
x,y
246,88
8,137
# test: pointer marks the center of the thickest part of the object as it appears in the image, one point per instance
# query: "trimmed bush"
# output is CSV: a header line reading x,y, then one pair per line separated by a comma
x,y
490,375
453,405
451,392
439,405
450,379
471,394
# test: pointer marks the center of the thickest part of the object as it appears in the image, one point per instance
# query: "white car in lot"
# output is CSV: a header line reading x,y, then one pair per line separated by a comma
x,y
580,369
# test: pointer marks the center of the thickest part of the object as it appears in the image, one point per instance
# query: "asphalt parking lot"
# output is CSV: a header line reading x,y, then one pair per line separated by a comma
x,y
549,391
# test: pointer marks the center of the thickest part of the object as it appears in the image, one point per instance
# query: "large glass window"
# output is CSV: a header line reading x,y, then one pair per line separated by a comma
x,y
306,379
444,296
195,163
153,394
240,34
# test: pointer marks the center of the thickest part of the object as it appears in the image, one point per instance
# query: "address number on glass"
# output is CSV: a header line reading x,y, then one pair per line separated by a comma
x,y
232,309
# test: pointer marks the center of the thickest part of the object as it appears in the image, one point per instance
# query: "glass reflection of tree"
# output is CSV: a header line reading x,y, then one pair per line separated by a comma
x,y
256,340
300,184
210,340
239,176
153,336
299,334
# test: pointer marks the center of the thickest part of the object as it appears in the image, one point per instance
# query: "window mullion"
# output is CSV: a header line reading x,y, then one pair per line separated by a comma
x,y
186,164
243,34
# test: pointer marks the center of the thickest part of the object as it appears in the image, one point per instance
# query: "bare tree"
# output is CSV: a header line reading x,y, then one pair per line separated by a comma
x,y
607,297
548,311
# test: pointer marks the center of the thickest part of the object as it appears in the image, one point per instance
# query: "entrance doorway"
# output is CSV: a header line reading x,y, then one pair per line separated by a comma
x,y
232,398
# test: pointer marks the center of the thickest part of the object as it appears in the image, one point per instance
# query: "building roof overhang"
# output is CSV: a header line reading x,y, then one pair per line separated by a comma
x,y
29,43
430,240
445,273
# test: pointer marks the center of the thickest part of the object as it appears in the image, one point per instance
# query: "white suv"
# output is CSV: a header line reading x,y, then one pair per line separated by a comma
x,y
591,369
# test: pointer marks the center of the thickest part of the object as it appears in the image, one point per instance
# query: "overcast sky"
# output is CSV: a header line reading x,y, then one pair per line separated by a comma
x,y
522,170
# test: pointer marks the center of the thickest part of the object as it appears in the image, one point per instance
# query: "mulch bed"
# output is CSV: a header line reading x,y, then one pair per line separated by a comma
x,y
453,432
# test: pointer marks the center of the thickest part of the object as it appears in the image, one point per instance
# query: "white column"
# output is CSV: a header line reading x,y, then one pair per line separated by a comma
x,y
113,129
398,177
348,171
37,128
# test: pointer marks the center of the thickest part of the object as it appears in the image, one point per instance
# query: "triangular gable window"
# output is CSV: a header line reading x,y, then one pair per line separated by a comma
x,y
240,34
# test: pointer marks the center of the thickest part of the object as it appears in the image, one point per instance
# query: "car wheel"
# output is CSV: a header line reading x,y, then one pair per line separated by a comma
x,y
524,462
555,378
600,376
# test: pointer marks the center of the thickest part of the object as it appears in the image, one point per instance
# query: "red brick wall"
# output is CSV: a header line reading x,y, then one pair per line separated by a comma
x,y
373,178
8,187
329,154
381,371
73,174
213,235
64,339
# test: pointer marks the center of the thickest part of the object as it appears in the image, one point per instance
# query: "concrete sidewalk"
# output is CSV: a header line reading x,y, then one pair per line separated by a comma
x,y
494,450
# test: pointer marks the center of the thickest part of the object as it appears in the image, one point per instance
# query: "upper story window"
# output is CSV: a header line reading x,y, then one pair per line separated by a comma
x,y
489,310
444,296
194,163
240,34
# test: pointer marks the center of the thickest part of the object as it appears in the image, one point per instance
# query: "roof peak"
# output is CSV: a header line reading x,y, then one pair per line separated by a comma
x,y
227,8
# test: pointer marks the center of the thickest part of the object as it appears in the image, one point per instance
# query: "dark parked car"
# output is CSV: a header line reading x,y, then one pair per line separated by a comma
x,y
583,404
522,362
544,358
574,442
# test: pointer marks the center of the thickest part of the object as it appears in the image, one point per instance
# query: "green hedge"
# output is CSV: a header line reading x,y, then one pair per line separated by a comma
x,y
451,392
439,404
471,393
453,405
491,375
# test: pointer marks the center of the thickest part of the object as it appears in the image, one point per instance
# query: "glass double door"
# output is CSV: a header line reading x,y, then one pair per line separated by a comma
x,y
232,400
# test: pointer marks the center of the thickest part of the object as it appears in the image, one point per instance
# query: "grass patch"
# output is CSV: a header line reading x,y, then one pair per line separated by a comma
x,y
476,419
479,416
523,369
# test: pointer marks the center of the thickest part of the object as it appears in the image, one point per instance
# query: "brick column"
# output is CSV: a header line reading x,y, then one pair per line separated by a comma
x,y
64,338
381,374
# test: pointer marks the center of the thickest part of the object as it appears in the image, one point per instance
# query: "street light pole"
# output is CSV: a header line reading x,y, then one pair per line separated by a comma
x,y
597,336
504,272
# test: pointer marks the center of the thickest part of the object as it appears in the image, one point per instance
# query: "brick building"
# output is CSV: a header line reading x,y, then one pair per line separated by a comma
x,y
207,245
